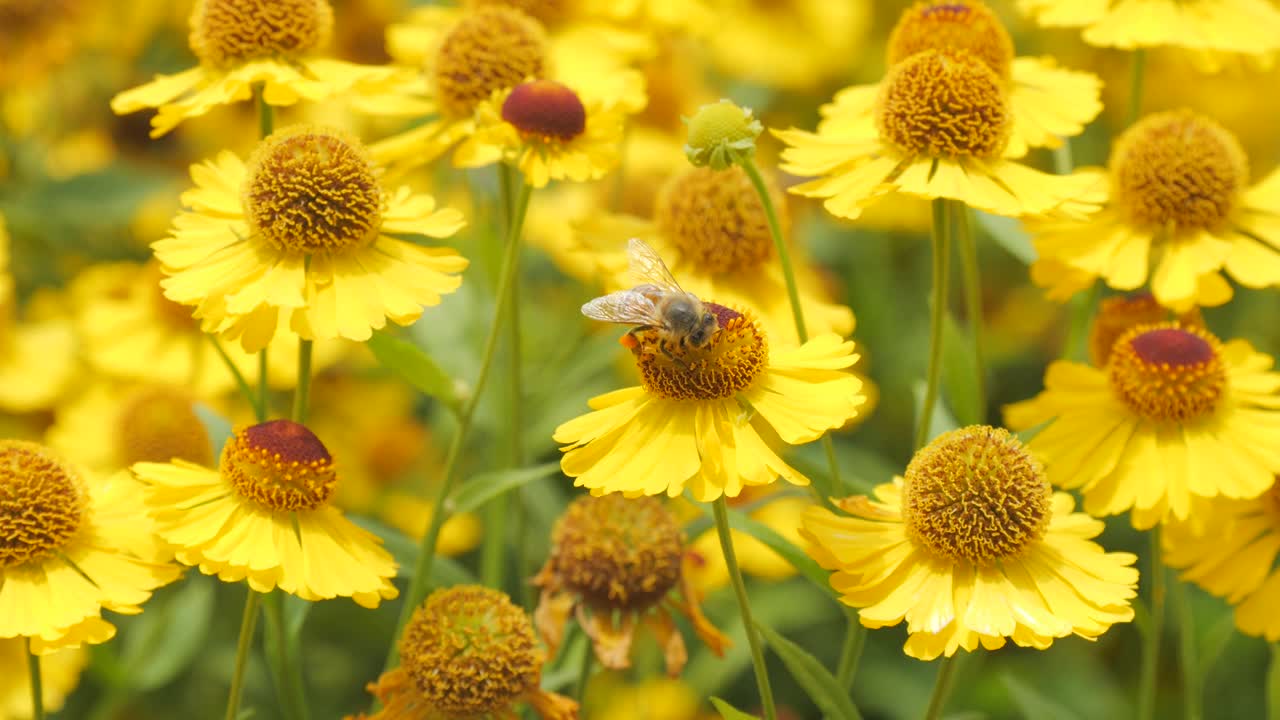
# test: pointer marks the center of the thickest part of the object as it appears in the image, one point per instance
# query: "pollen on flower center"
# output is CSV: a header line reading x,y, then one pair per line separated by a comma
x,y
490,49
546,110
280,465
42,503
1116,315
965,26
976,494
470,651
618,553
1178,168
724,367
311,190
158,424
1168,372
226,32
944,104
716,219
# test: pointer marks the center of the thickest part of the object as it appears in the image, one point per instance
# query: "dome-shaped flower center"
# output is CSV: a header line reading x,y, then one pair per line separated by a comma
x,y
311,191
42,503
944,105
1116,315
617,553
716,219
976,495
227,32
158,424
470,652
1168,372
546,110
727,365
490,49
969,27
280,465
546,11
1178,169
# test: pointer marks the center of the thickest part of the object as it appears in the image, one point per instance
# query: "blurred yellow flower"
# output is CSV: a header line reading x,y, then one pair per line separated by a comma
x,y
59,675
37,359
705,565
609,697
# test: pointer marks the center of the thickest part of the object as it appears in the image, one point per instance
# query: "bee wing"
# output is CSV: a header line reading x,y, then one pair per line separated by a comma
x,y
625,306
647,267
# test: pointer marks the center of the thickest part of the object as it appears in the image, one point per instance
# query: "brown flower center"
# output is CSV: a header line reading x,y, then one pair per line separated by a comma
x,y
546,110
969,27
944,105
716,219
724,367
227,32
280,465
1168,372
1116,315
158,424
490,49
546,11
42,503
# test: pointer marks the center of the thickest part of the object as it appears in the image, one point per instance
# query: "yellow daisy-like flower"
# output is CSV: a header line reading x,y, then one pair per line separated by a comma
x,y
1175,415
1230,550
942,125
971,547
265,516
1179,211
37,359
69,550
1045,103
59,675
704,418
302,237
245,43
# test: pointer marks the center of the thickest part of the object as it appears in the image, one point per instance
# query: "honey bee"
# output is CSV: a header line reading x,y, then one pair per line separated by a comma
x,y
657,303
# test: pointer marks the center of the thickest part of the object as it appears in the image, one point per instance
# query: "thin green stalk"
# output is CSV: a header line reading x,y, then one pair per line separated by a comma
x,y
247,622
1273,684
37,685
971,274
584,673
245,390
302,393
942,687
854,638
420,581
289,682
1082,310
260,407
1137,81
937,313
266,114
1192,682
1155,628
744,607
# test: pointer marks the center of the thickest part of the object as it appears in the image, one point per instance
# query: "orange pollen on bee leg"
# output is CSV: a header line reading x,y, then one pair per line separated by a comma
x,y
727,365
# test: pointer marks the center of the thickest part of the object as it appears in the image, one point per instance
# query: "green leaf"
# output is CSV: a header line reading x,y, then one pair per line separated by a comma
x,y
958,371
482,488
1008,234
729,712
820,685
444,571
803,564
415,366
168,637
217,427
1032,703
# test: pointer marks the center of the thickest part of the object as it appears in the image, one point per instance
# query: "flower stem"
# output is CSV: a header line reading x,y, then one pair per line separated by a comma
x,y
1273,684
1155,627
301,394
1137,79
420,581
247,622
854,638
937,313
37,685
1192,683
584,674
289,682
942,686
261,406
784,257
971,274
744,607
266,114
245,390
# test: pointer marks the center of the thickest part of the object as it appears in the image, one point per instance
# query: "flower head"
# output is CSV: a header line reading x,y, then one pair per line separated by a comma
x,y
721,134
971,547
1118,314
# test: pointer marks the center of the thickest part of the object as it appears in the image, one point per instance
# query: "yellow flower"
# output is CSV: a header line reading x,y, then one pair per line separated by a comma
x,y
973,548
301,237
1179,211
1230,550
245,43
37,359
69,549
35,35
704,417
59,675
265,516
1175,415
617,562
943,124
704,561
610,697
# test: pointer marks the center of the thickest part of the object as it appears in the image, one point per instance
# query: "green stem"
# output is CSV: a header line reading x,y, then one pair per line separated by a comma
x,y
266,114
247,622
1155,628
942,687
855,637
1273,684
784,257
971,274
744,607
937,313
289,683
245,390
584,673
260,407
420,580
301,394
1192,693
1083,307
1137,79
37,685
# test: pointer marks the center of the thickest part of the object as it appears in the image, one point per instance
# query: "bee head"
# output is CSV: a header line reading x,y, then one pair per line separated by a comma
x,y
702,332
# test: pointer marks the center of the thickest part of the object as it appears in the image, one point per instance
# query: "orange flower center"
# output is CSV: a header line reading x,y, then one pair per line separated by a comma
x,y
490,49
42,503
716,219
1116,315
158,424
944,105
546,110
280,465
227,32
727,365
1168,372
976,495
969,27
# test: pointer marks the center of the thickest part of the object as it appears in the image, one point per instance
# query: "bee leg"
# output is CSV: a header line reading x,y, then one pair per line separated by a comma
x,y
677,360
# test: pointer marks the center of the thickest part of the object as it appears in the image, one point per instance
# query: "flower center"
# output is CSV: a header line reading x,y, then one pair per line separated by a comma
x,y
716,219
976,495
1116,315
42,503
944,104
311,190
227,32
970,27
546,11
1178,168
159,424
616,552
1168,372
470,651
736,354
490,49
546,110
280,465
